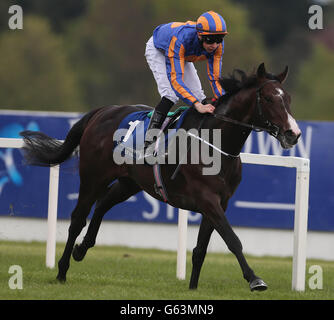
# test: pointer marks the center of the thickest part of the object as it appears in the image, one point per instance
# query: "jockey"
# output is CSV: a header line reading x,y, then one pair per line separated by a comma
x,y
170,54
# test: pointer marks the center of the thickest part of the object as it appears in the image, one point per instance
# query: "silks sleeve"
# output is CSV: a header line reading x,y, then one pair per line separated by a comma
x,y
175,71
214,70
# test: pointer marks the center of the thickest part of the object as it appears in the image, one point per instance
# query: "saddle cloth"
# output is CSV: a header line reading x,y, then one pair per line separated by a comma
x,y
129,142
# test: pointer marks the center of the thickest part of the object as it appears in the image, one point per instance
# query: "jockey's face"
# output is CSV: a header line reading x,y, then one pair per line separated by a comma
x,y
209,47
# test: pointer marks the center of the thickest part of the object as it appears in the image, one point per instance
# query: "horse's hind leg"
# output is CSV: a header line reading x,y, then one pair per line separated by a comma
x,y
87,197
120,191
204,234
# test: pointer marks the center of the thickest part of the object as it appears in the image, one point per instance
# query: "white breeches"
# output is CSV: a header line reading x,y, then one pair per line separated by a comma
x,y
157,63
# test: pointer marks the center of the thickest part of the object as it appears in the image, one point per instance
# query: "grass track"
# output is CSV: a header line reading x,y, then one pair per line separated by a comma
x,y
131,274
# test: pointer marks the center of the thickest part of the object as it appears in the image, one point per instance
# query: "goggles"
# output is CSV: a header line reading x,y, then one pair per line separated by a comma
x,y
213,38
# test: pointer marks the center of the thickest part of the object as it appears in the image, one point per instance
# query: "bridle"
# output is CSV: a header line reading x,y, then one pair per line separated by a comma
x,y
264,124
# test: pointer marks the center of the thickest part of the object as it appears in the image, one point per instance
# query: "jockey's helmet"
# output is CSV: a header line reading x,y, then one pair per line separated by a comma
x,y
211,23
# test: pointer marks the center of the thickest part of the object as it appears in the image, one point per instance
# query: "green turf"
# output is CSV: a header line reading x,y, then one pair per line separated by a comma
x,y
126,273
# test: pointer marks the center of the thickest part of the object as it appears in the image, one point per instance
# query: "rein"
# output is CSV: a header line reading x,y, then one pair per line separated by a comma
x,y
243,124
267,125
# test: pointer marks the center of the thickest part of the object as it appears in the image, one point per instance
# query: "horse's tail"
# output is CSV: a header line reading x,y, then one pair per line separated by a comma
x,y
41,150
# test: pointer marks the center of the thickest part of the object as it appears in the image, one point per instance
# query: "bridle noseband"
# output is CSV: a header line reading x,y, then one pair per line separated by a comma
x,y
264,124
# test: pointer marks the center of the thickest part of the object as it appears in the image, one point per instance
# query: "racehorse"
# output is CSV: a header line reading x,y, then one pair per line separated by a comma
x,y
252,102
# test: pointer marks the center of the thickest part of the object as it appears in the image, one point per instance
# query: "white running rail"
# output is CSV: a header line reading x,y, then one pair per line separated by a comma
x,y
302,166
300,221
52,207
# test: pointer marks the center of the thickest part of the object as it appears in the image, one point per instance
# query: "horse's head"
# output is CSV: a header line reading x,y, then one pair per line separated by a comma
x,y
260,101
272,108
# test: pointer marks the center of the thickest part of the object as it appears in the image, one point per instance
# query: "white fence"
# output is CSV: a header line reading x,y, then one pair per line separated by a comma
x,y
300,221
52,203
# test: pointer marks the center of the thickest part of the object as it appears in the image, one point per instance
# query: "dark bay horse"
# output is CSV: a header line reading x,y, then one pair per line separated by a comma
x,y
252,102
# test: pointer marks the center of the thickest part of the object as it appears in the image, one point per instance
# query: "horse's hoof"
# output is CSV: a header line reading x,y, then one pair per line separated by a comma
x,y
61,279
258,285
78,254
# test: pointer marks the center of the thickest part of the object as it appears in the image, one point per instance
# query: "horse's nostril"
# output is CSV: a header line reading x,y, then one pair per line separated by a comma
x,y
293,132
289,133
291,137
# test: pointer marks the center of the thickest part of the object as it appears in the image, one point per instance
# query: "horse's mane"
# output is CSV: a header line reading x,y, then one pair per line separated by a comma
x,y
238,80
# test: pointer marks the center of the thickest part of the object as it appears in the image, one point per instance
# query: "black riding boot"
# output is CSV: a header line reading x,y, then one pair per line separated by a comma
x,y
156,122
158,117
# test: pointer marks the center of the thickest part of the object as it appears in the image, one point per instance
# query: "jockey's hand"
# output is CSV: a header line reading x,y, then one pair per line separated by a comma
x,y
204,108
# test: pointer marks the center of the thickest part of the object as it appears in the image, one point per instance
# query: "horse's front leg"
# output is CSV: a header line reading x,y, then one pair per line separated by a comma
x,y
216,214
199,252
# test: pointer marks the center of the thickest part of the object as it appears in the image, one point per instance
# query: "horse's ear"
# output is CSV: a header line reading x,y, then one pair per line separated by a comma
x,y
261,71
282,76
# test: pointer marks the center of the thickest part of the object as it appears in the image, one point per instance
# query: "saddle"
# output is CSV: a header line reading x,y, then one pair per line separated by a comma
x,y
129,140
173,114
